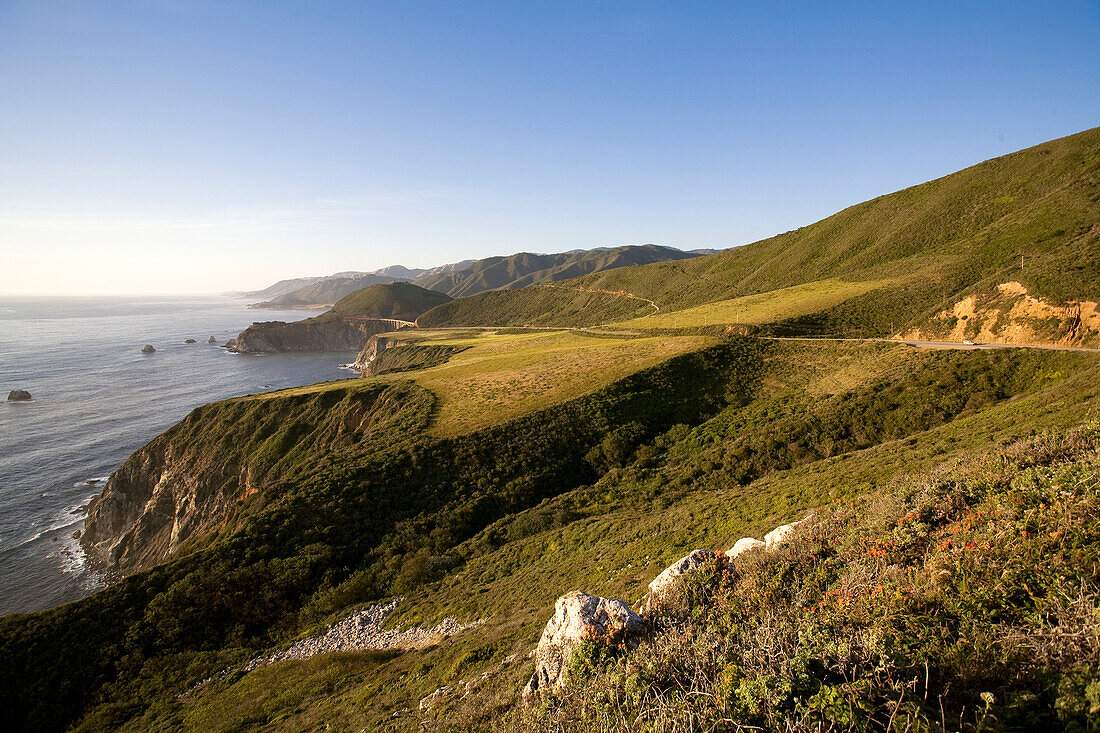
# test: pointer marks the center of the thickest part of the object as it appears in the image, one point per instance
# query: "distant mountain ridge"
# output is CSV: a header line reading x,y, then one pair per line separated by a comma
x,y
525,268
304,292
470,277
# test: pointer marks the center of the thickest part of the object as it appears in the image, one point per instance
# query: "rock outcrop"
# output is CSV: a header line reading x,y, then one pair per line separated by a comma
x,y
660,587
781,534
743,545
372,350
211,340
19,395
577,616
147,349
189,341
344,334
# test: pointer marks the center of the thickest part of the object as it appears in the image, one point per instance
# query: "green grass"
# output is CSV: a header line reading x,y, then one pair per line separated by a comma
x,y
769,307
542,305
403,301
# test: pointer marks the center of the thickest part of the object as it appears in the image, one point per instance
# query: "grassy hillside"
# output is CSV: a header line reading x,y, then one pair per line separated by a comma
x,y
324,292
828,424
903,257
400,300
542,305
597,492
524,268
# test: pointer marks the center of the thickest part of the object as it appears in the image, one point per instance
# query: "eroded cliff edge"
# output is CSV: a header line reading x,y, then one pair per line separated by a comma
x,y
343,334
227,459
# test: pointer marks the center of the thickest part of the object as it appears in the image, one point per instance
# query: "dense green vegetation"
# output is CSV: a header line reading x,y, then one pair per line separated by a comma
x,y
348,528
964,600
403,301
535,306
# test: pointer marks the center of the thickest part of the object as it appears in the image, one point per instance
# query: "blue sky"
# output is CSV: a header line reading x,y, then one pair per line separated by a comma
x,y
197,146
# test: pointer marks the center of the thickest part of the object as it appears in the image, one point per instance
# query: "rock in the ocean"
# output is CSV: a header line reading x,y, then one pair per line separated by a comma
x,y
577,616
147,349
743,545
212,340
663,583
781,534
189,341
18,395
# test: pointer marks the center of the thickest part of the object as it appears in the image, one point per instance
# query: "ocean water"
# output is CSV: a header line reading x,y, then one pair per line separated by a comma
x,y
97,399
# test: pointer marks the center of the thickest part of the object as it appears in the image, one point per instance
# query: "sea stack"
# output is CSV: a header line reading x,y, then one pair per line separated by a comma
x,y
212,340
147,349
189,341
18,395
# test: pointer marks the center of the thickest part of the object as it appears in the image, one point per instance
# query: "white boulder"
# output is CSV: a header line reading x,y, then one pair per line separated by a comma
x,y
743,545
781,534
663,583
576,616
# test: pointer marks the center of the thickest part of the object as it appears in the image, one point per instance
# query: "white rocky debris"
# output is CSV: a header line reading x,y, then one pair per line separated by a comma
x,y
743,545
363,630
576,615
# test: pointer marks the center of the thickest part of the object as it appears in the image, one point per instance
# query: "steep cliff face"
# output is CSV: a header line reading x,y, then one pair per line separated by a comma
x,y
388,354
343,334
226,459
1011,315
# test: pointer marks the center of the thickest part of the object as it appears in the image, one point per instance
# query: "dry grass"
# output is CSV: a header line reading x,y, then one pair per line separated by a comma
x,y
769,307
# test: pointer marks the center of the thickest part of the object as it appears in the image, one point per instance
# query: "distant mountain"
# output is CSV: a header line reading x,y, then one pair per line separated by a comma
x,y
523,269
324,292
319,292
468,276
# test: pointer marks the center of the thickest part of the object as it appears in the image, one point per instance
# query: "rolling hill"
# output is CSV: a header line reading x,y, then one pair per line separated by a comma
x,y
524,268
344,327
920,261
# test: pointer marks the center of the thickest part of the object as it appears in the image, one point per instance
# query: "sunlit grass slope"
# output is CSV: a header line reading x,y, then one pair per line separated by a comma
x,y
498,376
769,307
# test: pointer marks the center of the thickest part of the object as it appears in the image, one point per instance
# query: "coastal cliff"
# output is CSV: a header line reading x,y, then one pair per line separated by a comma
x,y
354,318
308,335
227,459
387,354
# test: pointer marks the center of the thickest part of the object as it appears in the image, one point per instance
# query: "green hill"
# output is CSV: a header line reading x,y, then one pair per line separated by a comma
x,y
914,256
400,300
324,292
524,268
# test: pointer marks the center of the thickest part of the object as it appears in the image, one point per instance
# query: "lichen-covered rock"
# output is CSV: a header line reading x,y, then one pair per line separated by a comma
x,y
781,534
577,616
663,583
743,545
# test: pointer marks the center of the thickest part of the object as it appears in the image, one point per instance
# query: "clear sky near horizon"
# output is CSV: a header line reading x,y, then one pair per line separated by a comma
x,y
183,146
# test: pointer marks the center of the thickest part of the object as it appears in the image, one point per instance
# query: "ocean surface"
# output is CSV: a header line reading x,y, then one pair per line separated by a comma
x,y
97,399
